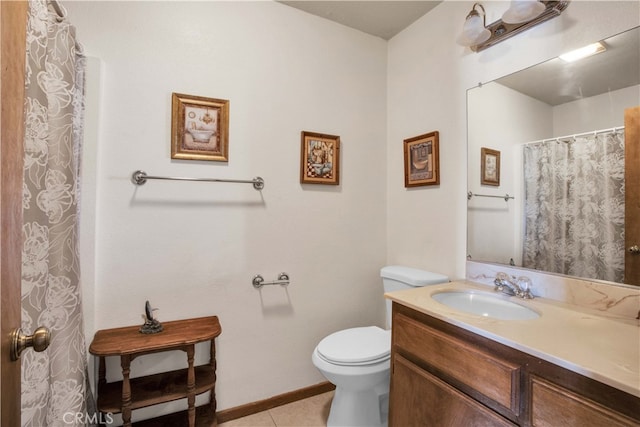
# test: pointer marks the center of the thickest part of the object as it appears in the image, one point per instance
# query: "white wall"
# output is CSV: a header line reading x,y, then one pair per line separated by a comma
x,y
428,76
193,248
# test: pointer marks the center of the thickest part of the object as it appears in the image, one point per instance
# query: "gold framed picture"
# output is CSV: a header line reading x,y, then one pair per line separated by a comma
x,y
199,128
421,160
319,158
489,167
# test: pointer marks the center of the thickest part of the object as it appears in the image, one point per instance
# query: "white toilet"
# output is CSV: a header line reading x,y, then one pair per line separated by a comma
x,y
356,360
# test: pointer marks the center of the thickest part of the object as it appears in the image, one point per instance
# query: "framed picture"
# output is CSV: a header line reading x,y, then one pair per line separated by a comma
x,y
421,160
489,167
319,159
199,128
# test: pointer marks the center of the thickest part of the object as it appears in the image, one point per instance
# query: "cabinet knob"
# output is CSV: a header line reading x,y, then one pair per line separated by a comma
x,y
634,249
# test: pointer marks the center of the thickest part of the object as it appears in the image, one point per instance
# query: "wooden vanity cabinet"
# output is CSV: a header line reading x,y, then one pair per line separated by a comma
x,y
442,375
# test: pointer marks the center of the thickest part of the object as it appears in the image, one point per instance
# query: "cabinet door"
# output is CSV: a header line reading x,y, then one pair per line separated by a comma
x,y
553,405
420,399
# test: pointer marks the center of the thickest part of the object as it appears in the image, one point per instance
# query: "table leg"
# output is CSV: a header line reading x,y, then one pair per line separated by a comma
x,y
191,386
102,373
212,393
125,362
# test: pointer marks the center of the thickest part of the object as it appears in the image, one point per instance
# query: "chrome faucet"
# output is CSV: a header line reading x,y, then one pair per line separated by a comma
x,y
520,287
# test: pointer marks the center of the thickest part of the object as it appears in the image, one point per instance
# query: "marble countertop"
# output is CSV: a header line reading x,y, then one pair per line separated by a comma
x,y
600,348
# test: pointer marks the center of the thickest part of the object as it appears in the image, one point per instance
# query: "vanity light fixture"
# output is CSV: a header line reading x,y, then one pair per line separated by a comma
x,y
583,52
474,30
522,15
522,11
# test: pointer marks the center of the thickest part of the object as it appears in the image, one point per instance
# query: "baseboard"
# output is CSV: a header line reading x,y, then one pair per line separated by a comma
x,y
272,402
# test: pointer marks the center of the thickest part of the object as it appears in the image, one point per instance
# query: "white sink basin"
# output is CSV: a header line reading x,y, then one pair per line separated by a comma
x,y
485,304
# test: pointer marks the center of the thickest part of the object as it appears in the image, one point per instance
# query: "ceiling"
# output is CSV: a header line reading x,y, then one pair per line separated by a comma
x,y
380,18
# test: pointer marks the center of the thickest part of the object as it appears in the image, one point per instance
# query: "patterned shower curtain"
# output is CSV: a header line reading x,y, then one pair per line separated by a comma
x,y
574,206
54,381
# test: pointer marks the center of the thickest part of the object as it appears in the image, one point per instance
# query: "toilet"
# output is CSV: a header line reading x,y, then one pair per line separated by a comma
x,y
357,360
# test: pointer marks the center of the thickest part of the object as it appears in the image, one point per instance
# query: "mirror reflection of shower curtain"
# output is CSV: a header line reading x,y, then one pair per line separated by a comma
x,y
574,206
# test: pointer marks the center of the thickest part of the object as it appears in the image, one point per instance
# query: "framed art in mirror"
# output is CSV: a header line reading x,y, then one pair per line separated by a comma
x,y
319,158
421,160
489,167
199,128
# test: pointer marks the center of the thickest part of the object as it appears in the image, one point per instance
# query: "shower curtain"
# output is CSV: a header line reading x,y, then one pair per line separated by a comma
x,y
574,206
54,381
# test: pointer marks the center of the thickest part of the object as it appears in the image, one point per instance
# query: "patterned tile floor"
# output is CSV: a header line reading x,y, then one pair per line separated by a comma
x,y
311,412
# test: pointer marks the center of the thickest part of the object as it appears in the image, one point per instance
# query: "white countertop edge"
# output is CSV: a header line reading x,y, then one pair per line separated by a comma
x,y
482,326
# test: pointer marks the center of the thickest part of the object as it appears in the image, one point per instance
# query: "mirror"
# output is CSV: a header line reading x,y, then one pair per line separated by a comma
x,y
552,104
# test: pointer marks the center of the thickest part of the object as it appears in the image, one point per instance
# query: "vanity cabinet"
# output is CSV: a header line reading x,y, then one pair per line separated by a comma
x,y
442,375
133,393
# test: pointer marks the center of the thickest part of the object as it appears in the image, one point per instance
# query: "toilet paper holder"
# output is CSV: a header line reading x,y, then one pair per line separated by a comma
x,y
258,280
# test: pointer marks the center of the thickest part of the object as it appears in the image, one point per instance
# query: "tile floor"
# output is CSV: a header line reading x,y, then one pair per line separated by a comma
x,y
310,412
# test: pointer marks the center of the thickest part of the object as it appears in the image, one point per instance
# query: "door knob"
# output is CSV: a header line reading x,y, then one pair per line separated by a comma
x,y
39,341
634,249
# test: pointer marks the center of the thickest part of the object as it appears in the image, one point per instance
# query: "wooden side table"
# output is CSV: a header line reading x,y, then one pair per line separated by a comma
x,y
134,393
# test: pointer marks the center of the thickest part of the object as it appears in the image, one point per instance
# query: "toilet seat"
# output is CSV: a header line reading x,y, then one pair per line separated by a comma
x,y
356,346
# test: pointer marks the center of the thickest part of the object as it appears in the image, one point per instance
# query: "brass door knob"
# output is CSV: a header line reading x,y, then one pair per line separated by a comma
x,y
634,249
39,341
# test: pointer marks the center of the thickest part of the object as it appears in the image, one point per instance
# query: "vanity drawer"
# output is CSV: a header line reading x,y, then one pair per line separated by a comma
x,y
493,377
553,405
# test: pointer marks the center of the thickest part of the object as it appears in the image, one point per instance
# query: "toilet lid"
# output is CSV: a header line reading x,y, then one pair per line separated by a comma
x,y
356,345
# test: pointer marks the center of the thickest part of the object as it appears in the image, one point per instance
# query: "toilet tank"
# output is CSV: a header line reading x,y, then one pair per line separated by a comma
x,y
397,277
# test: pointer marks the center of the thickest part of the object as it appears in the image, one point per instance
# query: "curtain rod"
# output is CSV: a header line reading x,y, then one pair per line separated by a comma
x,y
558,139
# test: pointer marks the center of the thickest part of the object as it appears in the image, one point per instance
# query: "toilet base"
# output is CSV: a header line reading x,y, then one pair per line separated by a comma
x,y
366,408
